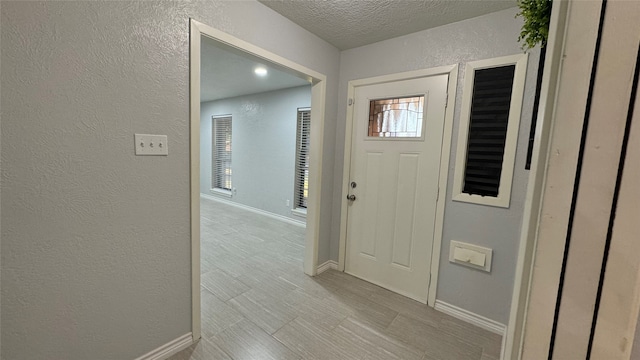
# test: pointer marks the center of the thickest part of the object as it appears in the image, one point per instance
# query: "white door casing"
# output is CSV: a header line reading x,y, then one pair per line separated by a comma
x,y
391,223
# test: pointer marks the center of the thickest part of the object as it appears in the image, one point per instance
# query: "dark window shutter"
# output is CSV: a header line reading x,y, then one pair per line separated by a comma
x,y
490,104
222,153
303,139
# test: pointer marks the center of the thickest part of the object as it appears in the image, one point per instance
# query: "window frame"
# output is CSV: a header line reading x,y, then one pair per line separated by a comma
x,y
424,97
214,189
503,198
298,190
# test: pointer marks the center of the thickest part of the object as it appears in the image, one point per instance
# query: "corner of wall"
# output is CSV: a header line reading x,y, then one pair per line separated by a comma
x,y
0,251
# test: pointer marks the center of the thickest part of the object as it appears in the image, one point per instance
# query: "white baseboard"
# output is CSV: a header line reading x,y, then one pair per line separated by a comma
x,y
255,210
168,349
472,318
329,264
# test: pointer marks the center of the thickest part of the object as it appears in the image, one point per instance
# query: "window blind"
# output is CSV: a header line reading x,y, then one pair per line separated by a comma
x,y
222,153
490,105
302,158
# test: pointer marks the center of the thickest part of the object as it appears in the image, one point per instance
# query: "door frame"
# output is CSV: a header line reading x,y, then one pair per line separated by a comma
x,y
318,97
452,71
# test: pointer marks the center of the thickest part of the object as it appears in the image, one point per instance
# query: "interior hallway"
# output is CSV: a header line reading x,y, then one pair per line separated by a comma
x,y
258,304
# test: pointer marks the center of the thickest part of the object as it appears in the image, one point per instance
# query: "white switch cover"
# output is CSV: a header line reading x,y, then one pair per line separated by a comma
x,y
474,256
151,144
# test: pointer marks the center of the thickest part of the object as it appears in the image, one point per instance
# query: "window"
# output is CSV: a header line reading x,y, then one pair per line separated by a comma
x,y
303,135
397,117
489,121
221,154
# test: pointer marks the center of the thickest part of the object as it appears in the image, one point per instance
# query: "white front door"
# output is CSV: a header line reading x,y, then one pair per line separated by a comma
x,y
395,166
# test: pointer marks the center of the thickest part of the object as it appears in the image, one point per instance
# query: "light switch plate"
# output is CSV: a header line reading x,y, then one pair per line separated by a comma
x,y
147,144
470,255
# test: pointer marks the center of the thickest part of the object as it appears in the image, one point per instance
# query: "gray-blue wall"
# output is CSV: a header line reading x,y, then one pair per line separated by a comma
x,y
87,225
96,252
484,37
263,147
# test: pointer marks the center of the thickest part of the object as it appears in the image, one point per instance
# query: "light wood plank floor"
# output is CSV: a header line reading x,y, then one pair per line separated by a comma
x,y
258,304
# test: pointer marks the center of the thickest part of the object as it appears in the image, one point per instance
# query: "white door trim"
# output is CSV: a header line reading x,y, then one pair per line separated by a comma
x,y
514,339
452,71
318,95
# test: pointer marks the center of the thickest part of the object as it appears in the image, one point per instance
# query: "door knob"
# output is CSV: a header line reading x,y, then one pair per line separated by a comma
x,y
351,197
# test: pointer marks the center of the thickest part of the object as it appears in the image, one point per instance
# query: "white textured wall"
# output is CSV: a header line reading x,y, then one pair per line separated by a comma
x,y
263,147
483,37
95,241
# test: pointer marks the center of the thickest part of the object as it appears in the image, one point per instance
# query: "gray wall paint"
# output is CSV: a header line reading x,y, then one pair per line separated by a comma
x,y
635,350
95,241
0,199
483,37
263,147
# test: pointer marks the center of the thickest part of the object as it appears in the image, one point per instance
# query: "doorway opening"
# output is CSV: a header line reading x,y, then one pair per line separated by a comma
x,y
253,167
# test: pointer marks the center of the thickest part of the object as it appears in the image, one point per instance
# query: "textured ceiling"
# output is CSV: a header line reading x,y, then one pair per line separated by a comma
x,y
351,23
227,72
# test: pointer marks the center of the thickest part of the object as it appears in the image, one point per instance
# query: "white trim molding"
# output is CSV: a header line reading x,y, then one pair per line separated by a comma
x,y
171,348
221,192
445,155
504,192
329,264
472,318
194,173
255,210
299,212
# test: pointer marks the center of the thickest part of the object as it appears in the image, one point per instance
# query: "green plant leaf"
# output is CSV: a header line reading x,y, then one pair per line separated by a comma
x,y
536,15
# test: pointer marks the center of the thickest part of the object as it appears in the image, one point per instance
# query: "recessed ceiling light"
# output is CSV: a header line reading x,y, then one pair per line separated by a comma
x,y
260,71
